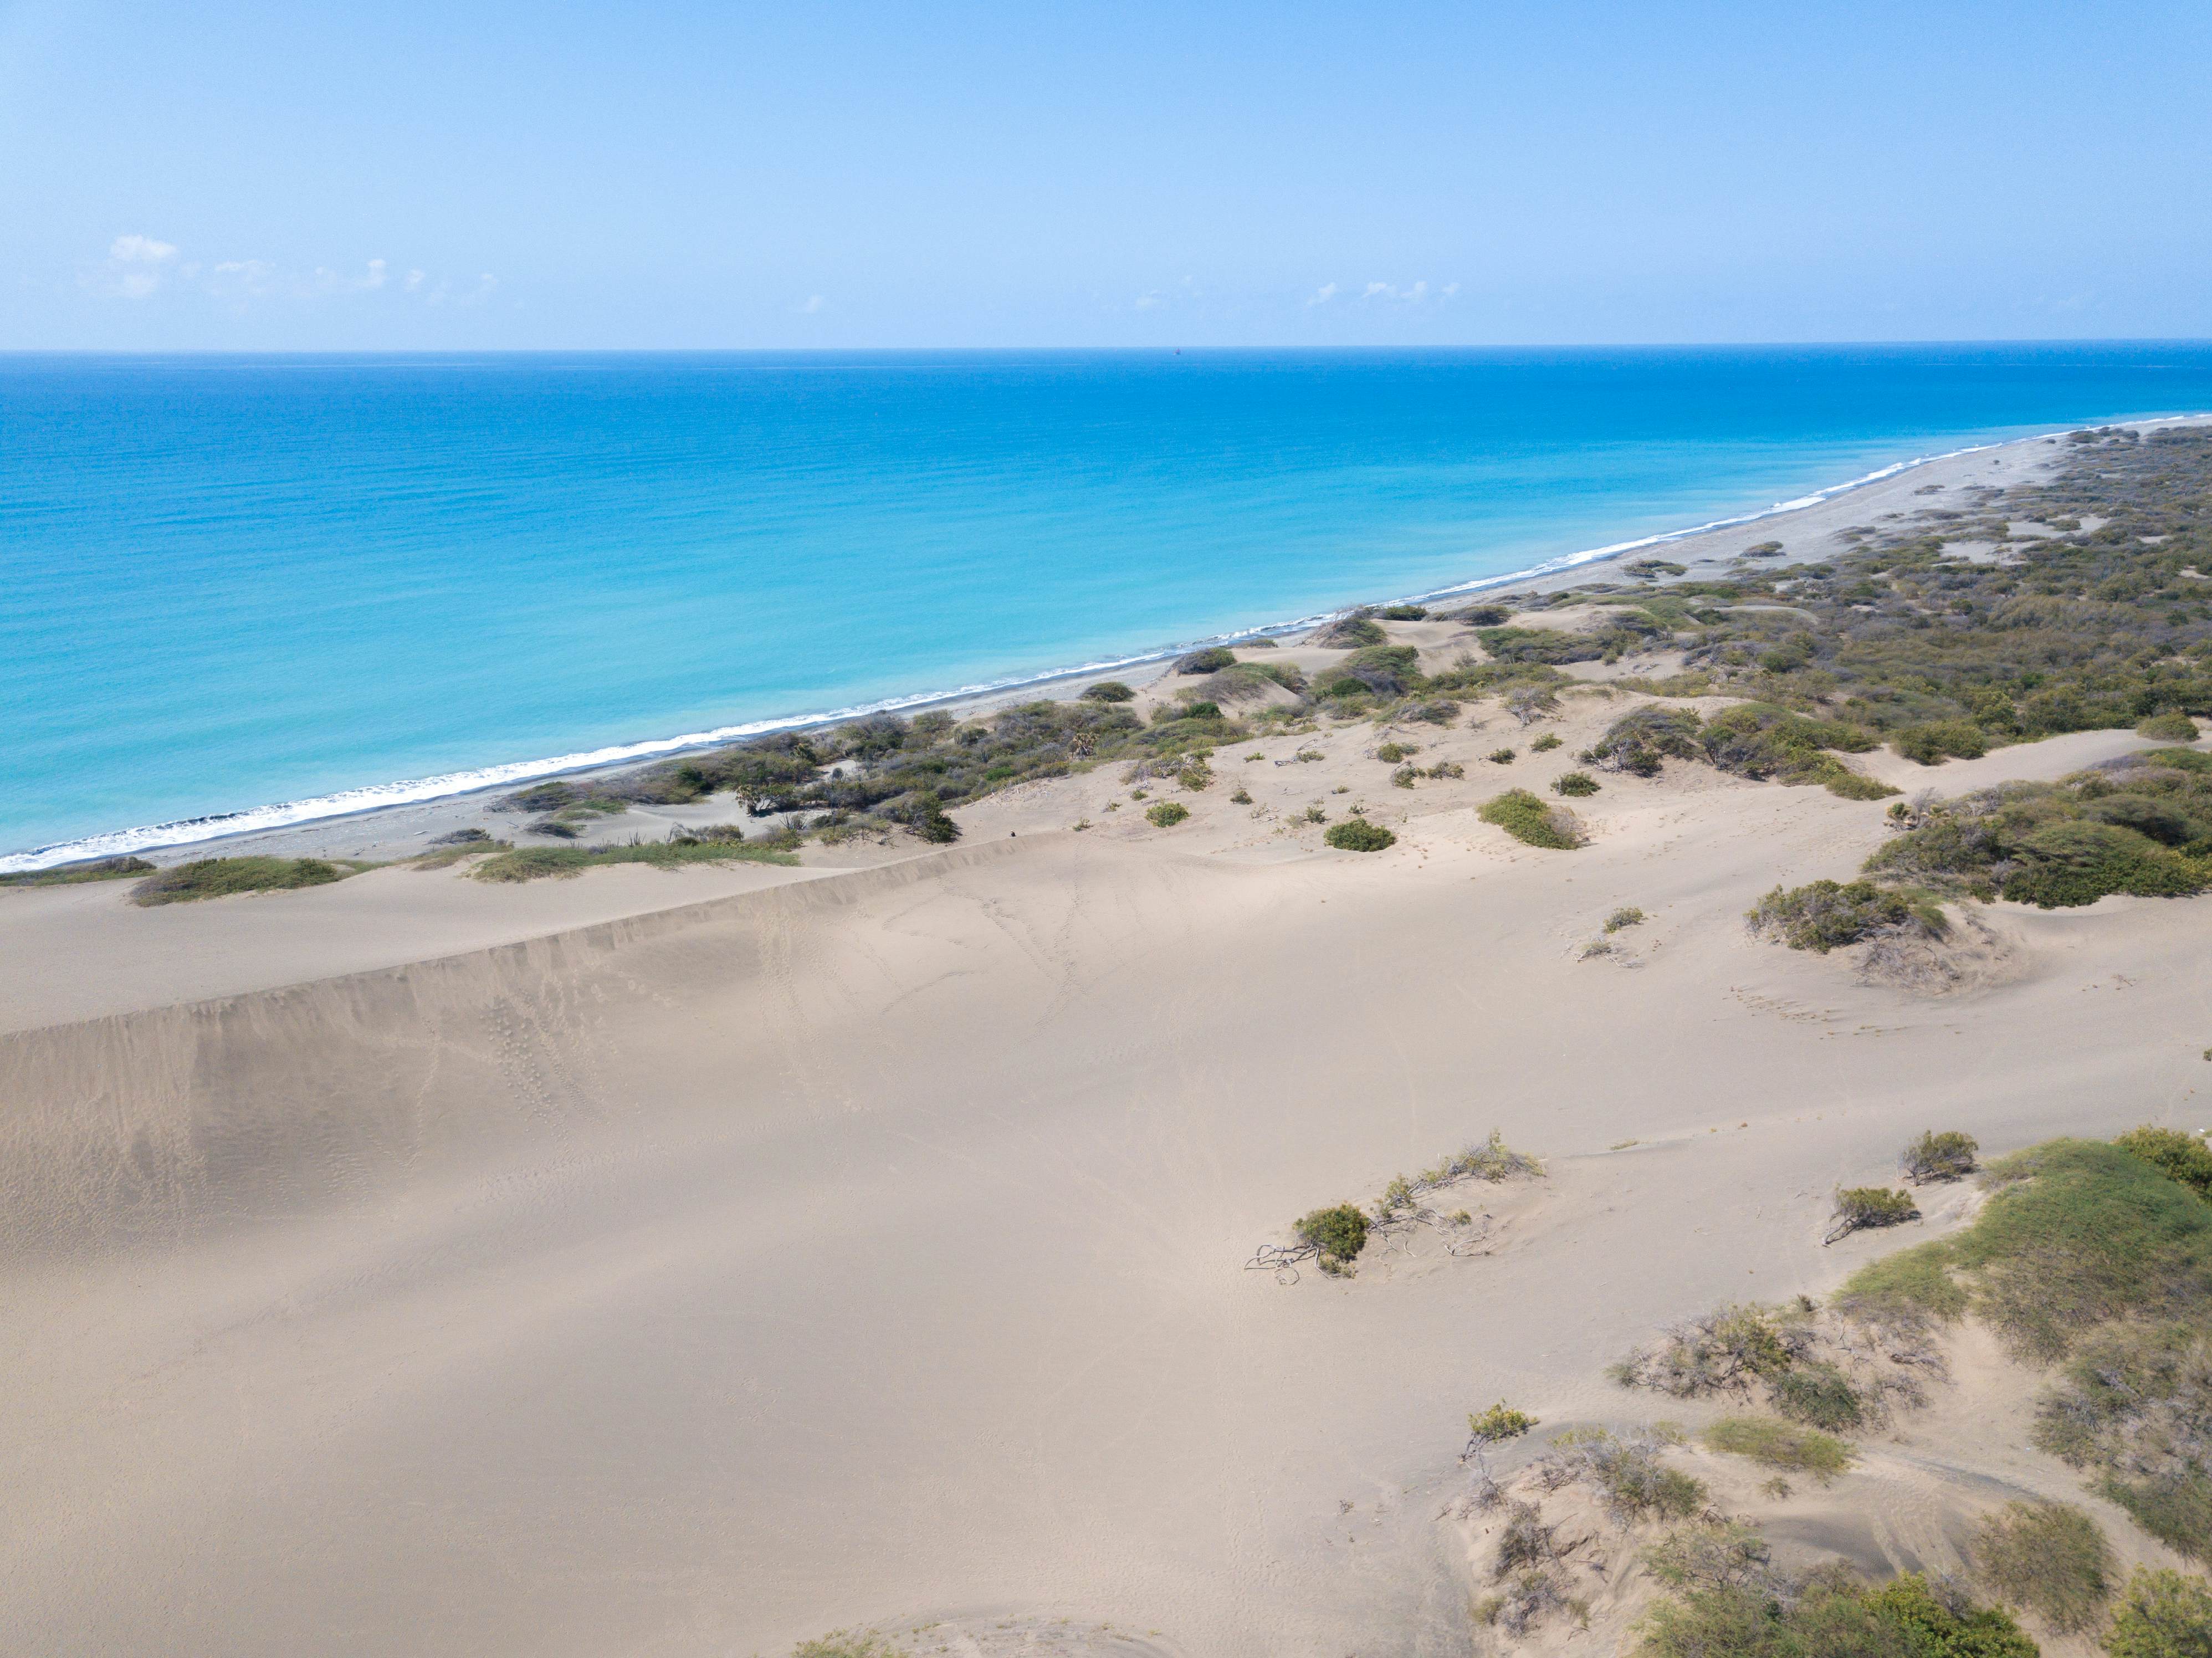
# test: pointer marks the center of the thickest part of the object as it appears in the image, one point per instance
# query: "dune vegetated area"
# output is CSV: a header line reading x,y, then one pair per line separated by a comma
x,y
984,1183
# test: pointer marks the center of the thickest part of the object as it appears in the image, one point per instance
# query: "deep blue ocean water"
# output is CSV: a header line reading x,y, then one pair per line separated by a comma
x,y
235,582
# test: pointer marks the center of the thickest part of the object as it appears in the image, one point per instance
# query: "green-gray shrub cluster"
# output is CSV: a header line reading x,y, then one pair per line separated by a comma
x,y
1826,916
223,878
1358,834
68,875
1526,817
1828,1614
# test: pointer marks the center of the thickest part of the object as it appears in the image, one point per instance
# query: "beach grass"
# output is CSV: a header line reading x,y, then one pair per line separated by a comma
x,y
541,863
106,869
224,878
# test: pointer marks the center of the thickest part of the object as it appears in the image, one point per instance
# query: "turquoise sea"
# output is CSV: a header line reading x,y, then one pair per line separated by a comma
x,y
286,587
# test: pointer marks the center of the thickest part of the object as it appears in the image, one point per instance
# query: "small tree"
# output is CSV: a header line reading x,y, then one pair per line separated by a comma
x,y
1858,1206
931,823
1494,1426
2162,1614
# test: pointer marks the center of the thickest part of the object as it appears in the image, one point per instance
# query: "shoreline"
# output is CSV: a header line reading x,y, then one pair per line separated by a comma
x,y
370,799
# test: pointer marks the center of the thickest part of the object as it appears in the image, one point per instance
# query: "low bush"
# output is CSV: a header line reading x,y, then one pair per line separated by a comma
x,y
1358,834
1527,819
1577,785
926,817
2161,1614
1828,1614
1403,613
222,877
1108,690
1825,916
1405,777
1781,1444
1724,1350
1642,740
1500,756
2183,1157
1210,660
1861,1207
2172,726
1819,1395
1391,753
2048,1558
1167,814
1627,915
1636,1485
1946,740
1339,1234
1350,633
1545,744
1945,1157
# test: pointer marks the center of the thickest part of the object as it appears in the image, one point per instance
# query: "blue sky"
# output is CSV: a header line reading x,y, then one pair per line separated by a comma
x,y
471,175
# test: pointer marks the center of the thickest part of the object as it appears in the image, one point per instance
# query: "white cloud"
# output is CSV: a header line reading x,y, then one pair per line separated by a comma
x,y
1148,301
1323,294
814,303
136,266
1417,293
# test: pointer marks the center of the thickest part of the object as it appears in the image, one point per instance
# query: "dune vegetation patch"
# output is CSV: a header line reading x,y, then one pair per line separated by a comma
x,y
1358,834
1779,1444
224,878
2048,1558
1526,817
1406,1205
70,875
541,863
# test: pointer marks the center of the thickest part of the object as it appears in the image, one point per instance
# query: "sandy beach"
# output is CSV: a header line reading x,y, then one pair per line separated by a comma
x,y
693,1262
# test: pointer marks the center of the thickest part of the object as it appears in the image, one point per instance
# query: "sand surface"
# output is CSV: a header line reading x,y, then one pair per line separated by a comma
x,y
691,1263
873,1247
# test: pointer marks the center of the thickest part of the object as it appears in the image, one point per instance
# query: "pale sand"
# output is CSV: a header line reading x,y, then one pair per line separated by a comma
x,y
873,1247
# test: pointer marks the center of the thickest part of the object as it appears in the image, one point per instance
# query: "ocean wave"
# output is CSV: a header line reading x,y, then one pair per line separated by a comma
x,y
375,797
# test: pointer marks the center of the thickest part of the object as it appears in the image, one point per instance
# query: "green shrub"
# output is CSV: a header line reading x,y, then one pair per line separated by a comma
x,y
1948,740
1391,753
1500,756
1358,834
1945,1157
2162,1614
1946,1625
1403,613
1545,744
1167,814
1576,784
1209,660
2066,864
2075,1235
1527,818
1349,633
1863,1207
1753,1613
2183,1156
2050,1558
1819,1395
1108,690
1781,1444
222,877
1825,916
927,819
2172,726
1340,1234
1627,916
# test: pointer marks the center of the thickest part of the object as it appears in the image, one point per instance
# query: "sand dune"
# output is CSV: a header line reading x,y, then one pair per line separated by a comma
x,y
873,1247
